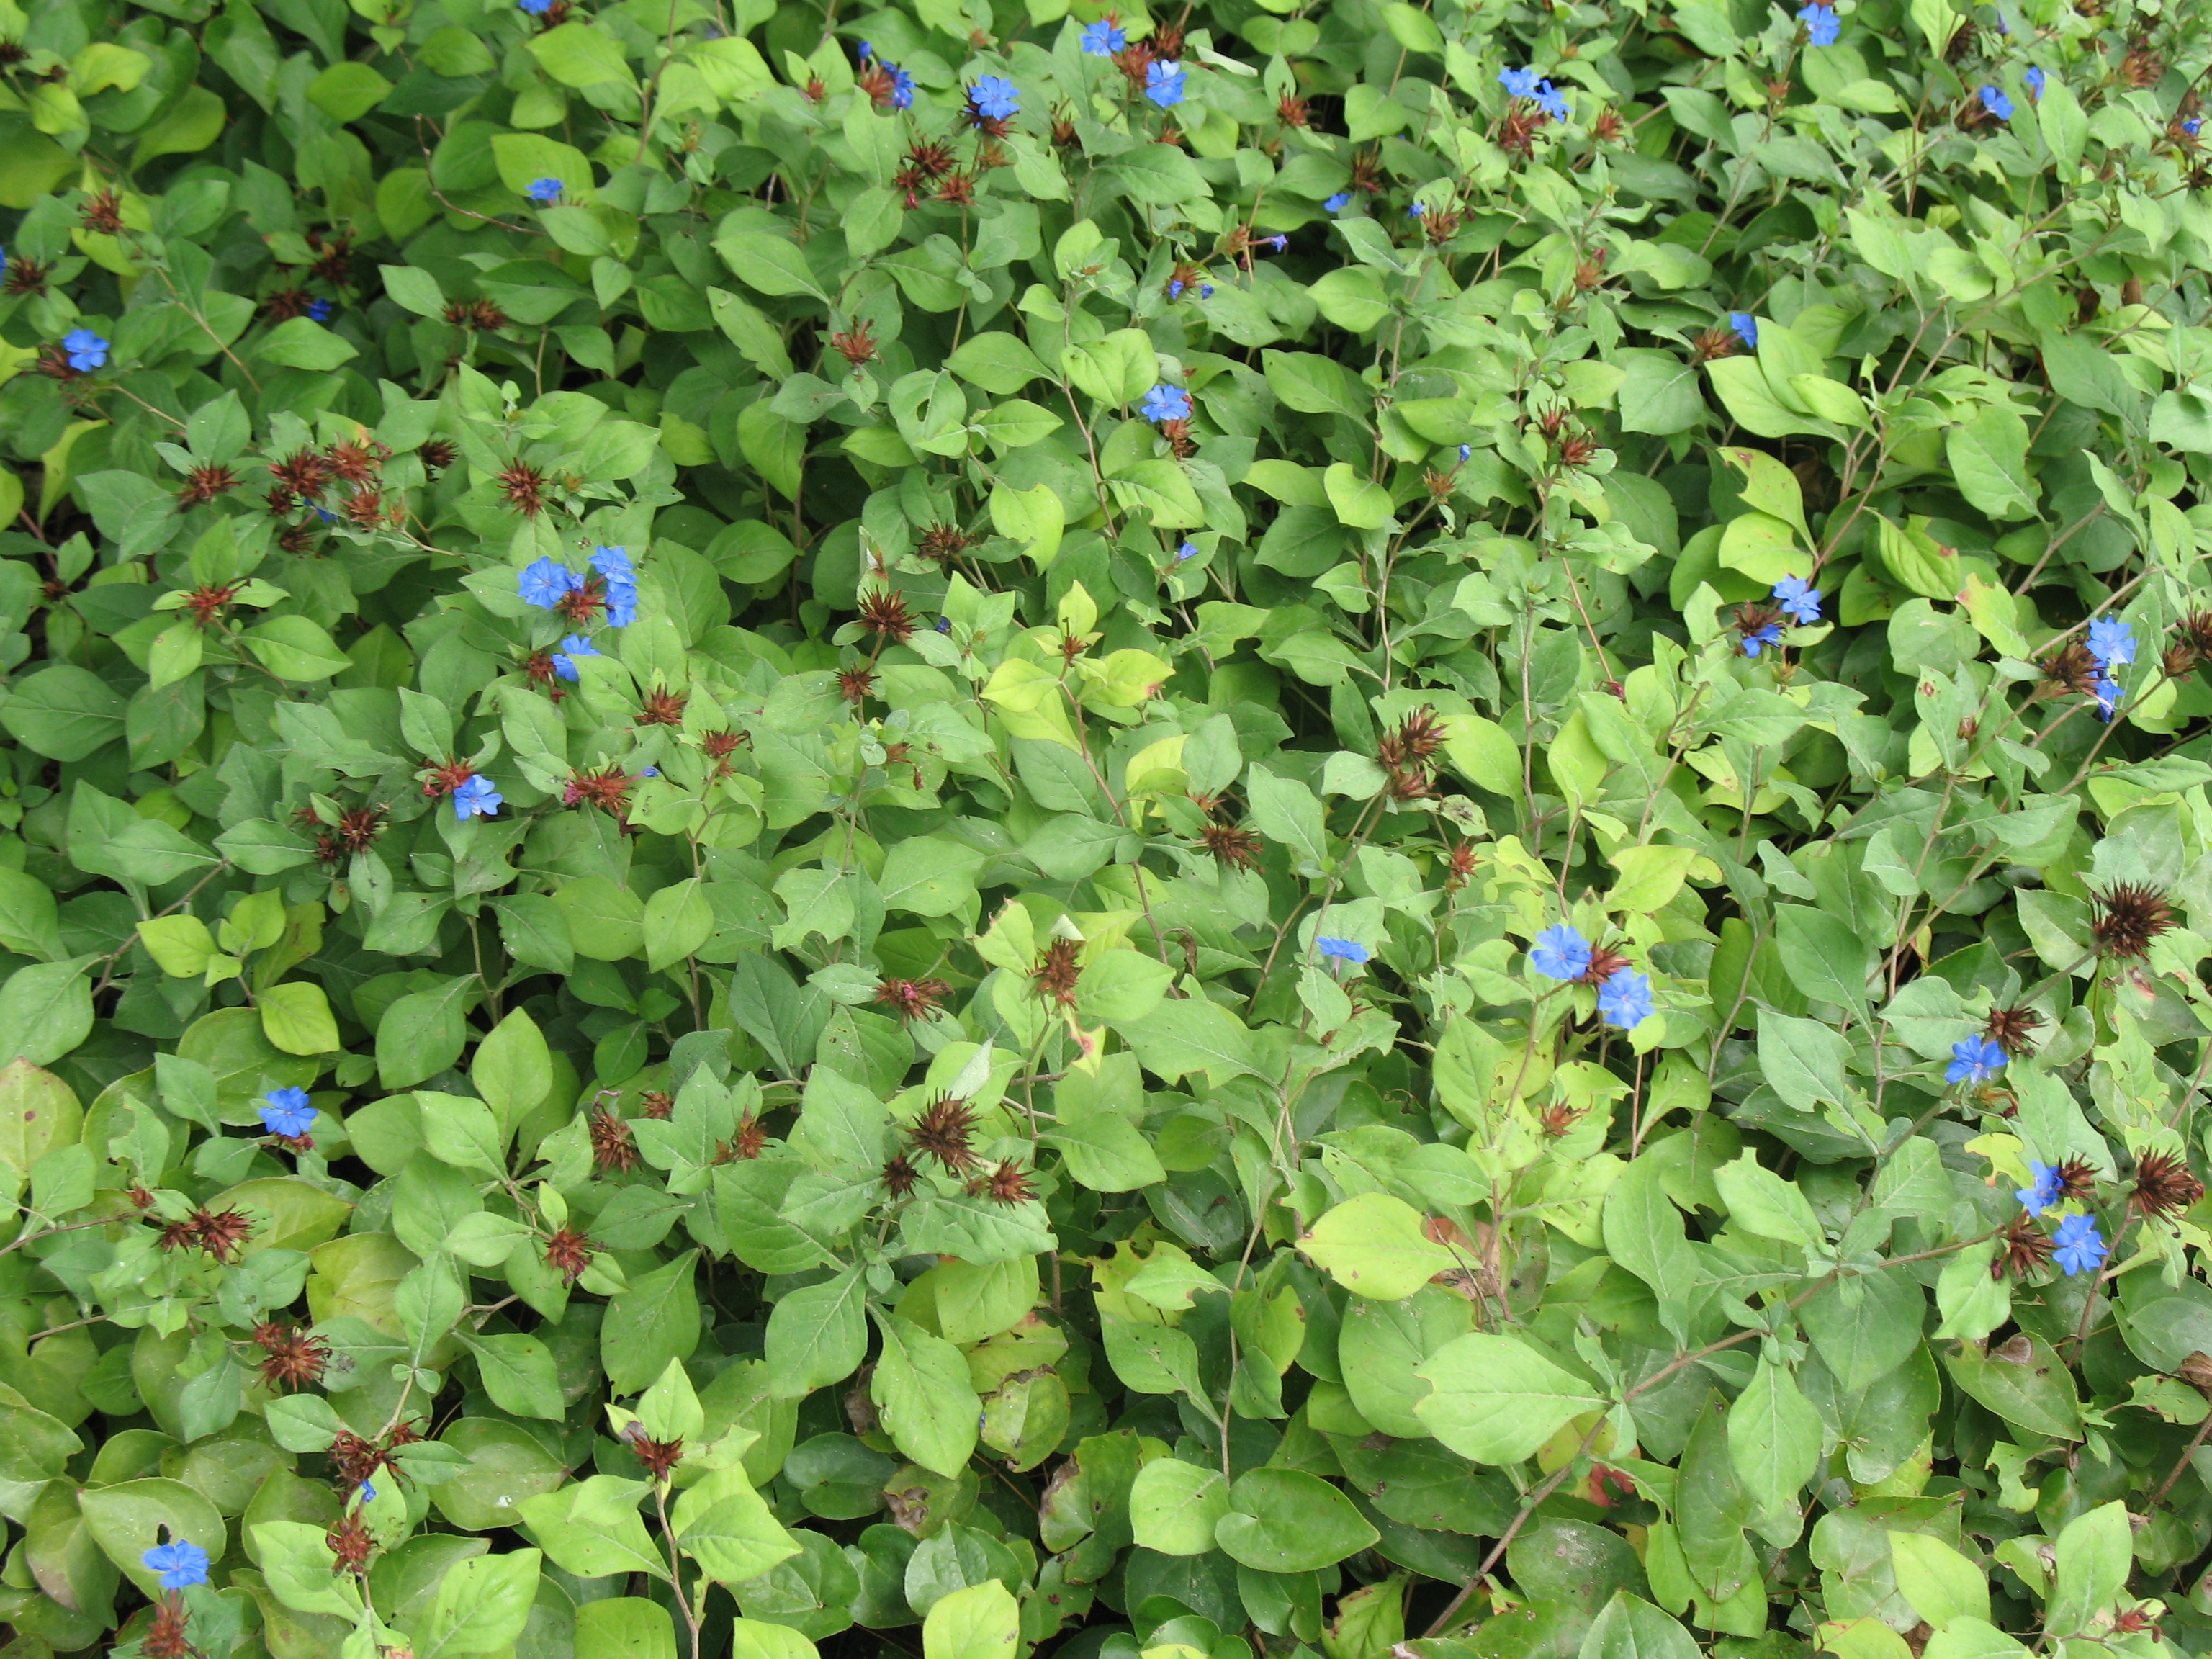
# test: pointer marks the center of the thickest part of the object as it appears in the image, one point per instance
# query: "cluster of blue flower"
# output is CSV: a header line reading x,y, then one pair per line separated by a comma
x,y
2113,644
1624,996
2081,1247
1799,600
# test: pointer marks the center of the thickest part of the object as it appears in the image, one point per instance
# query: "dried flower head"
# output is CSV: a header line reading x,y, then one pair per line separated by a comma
x,y
913,999
660,1457
351,1543
2069,668
656,1103
748,1142
2012,1028
943,1132
857,345
305,476
2129,916
1057,970
900,1176
1007,1184
2142,66
663,709
204,483
1234,845
26,275
569,1252
2022,1247
883,613
167,1634
292,1359
2164,1185
613,1148
102,214
438,454
524,487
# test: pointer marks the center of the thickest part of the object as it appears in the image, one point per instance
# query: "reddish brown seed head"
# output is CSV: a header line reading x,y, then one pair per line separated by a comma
x,y
883,613
168,1635
660,1457
2012,1028
856,684
439,781
292,1359
26,276
900,1176
857,345
1233,844
1007,1184
614,1151
523,488
2164,1185
656,1103
2070,668
102,214
305,476
608,789
913,999
568,1252
438,454
2022,1247
663,709
1290,110
1057,970
943,1132
748,1144
351,1544
204,483
2129,916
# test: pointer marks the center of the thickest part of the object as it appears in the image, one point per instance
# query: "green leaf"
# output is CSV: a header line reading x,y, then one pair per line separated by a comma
x,y
1174,1506
1936,1582
481,1606
1289,1520
922,1389
581,55
1495,1400
982,1621
1375,1245
297,1019
63,712
518,1372
654,1321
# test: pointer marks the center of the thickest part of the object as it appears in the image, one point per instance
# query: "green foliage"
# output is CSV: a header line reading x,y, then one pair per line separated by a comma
x,y
1039,837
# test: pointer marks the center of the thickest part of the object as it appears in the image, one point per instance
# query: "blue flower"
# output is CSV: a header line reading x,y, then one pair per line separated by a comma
x,y
87,350
2192,126
1419,209
1164,82
1821,24
1519,82
1337,203
477,797
1553,103
650,772
901,87
2034,79
3,262
2080,1249
535,8
1166,403
564,660
286,1112
321,310
326,515
2107,691
1175,288
1188,551
1343,950
1974,1060
944,624
1465,450
1769,634
1104,38
1279,243
866,51
2111,642
1746,329
543,189
1997,103
1624,999
1560,952
544,583
368,1492
1205,290
1800,599
181,1562
613,563
2045,1186
994,98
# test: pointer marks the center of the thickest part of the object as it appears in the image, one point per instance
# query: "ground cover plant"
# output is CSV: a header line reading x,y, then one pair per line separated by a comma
x,y
1275,829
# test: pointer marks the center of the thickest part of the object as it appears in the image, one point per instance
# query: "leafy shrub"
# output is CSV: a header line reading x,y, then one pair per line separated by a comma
x,y
1147,834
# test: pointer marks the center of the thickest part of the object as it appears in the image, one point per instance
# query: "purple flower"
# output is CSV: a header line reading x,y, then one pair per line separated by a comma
x,y
1164,82
477,797
1800,599
1519,82
2080,1249
87,350
286,1112
1342,950
544,190
1974,1060
2107,691
321,310
544,583
1337,203
1769,634
1746,329
1560,952
2043,1189
1997,103
1624,999
181,1563
1166,403
1821,24
613,564
2034,79
564,660
1104,38
993,97
2111,642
